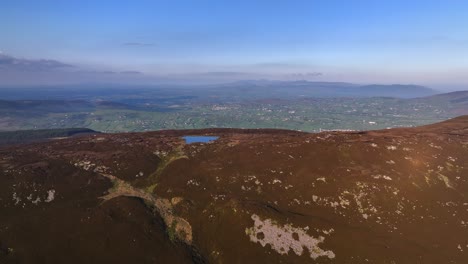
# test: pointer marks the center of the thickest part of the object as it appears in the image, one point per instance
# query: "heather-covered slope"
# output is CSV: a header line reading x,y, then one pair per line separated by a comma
x,y
252,196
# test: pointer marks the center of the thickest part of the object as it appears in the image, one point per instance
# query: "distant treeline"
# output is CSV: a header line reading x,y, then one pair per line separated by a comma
x,y
28,136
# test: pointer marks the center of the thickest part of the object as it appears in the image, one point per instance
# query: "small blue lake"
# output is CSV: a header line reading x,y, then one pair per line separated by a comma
x,y
199,139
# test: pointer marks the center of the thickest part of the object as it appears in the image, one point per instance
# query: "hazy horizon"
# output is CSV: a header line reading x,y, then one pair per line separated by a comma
x,y
53,42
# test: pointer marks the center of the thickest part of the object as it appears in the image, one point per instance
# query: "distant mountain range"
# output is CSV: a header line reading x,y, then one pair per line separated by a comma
x,y
302,89
330,89
253,89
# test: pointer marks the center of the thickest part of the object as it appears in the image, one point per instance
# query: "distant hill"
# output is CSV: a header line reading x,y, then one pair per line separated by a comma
x,y
56,106
455,102
453,97
393,90
246,89
29,136
45,105
328,89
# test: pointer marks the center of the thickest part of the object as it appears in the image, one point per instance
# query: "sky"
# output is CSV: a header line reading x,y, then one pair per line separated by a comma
x,y
420,42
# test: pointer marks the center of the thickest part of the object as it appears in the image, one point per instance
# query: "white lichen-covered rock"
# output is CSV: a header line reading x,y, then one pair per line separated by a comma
x,y
282,239
16,199
50,196
391,147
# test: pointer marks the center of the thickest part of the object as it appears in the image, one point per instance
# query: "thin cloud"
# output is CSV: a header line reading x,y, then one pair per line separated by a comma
x,y
139,44
305,75
12,63
131,72
20,71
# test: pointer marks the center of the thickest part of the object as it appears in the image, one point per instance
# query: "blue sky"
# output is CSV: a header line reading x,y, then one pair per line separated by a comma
x,y
424,42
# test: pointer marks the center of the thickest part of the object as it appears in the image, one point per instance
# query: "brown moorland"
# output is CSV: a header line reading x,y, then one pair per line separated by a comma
x,y
251,196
